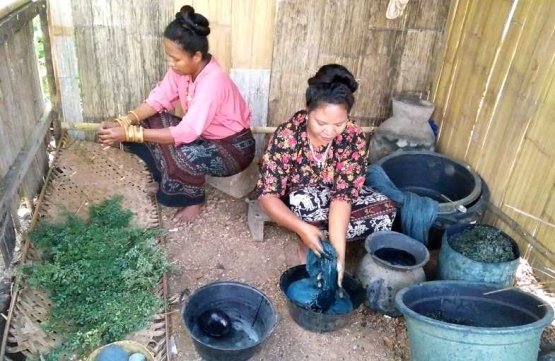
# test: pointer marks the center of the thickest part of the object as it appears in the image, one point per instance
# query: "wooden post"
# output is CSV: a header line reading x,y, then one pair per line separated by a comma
x,y
15,21
53,85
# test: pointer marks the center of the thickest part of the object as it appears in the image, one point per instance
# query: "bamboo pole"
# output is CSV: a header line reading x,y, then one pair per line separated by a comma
x,y
255,130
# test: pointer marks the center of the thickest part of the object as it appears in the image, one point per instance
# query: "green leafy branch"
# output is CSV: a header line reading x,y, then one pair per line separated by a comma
x,y
101,276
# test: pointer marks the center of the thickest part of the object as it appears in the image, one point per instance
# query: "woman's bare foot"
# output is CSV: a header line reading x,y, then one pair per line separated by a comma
x,y
187,214
152,188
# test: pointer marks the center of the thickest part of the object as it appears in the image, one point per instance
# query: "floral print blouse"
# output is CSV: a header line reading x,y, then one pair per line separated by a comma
x,y
288,163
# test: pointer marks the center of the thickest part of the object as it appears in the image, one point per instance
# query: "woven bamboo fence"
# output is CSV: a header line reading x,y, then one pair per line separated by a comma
x,y
22,104
109,52
495,97
386,56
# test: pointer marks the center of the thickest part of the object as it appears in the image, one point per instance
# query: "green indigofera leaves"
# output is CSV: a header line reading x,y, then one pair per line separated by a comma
x,y
101,276
483,244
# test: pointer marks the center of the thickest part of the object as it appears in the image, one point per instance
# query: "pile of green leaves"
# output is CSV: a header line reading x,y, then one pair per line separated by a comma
x,y
101,276
483,244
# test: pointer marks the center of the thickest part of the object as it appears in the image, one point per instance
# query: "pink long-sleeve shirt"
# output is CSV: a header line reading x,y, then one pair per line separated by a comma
x,y
213,106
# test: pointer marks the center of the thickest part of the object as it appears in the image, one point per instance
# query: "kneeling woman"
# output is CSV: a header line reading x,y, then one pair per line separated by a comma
x,y
213,137
313,171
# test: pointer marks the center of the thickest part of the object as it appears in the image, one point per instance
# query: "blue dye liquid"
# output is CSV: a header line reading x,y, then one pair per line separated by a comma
x,y
395,257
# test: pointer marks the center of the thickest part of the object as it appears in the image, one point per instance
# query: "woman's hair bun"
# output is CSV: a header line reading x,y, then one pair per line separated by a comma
x,y
334,74
193,22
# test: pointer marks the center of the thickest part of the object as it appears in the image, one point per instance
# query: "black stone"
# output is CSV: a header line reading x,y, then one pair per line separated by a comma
x,y
215,323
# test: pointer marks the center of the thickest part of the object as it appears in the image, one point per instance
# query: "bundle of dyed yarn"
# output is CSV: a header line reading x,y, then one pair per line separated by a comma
x,y
320,292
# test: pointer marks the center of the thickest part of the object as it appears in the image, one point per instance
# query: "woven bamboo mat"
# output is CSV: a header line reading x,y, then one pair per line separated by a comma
x,y
85,173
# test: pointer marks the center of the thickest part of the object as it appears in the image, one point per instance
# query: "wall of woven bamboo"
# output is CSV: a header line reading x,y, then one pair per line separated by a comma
x,y
109,53
495,97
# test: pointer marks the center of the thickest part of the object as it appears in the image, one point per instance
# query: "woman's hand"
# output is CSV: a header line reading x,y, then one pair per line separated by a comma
x,y
310,236
111,136
107,125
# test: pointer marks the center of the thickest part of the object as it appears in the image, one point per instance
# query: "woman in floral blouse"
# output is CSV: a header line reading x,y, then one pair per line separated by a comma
x,y
312,175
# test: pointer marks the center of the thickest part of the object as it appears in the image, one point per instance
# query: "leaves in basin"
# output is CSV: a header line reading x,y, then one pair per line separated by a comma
x,y
483,244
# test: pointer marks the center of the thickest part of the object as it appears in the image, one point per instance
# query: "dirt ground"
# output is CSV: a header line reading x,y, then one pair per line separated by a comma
x,y
217,246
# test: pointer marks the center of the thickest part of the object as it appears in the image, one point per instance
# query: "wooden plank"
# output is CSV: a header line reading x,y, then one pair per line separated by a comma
x,y
252,33
21,101
254,85
53,84
219,14
13,178
262,34
60,24
16,20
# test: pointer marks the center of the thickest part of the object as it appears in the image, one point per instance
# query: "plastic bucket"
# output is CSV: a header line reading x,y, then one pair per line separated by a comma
x,y
449,182
252,314
458,320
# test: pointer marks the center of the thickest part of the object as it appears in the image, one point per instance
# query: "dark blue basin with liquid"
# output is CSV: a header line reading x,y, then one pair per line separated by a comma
x,y
251,315
317,321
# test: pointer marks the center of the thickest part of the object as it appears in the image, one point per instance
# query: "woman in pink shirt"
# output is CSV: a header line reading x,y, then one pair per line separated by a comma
x,y
212,138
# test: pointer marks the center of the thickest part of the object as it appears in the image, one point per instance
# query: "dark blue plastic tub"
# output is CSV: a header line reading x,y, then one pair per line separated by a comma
x,y
312,320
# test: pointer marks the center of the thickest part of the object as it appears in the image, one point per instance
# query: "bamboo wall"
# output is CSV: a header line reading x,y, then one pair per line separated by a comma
x,y
242,37
495,97
108,54
107,62
386,56
22,105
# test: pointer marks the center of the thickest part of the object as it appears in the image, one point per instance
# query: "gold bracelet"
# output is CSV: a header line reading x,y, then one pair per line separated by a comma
x,y
135,134
141,135
125,132
129,131
123,121
135,115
